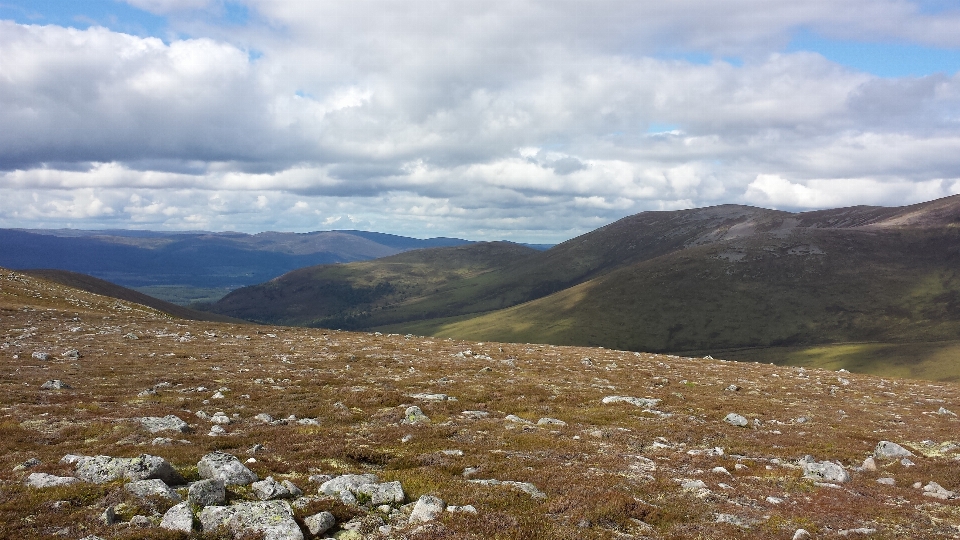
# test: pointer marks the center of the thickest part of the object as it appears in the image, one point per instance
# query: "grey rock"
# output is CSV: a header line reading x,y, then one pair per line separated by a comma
x,y
147,488
292,488
55,384
273,519
551,422
517,420
433,397
347,483
735,419
825,471
413,416
859,531
72,353
221,419
178,518
386,493
264,417
887,481
869,464
466,509
320,523
428,508
216,430
945,412
109,516
887,449
268,489
802,534
526,487
208,492
40,355
103,469
646,403
155,424
475,415
44,480
692,485
731,519
225,467
141,522
937,491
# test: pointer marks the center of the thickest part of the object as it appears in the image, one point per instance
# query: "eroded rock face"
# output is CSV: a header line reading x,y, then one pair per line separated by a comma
x,y
225,467
44,480
273,519
155,424
103,469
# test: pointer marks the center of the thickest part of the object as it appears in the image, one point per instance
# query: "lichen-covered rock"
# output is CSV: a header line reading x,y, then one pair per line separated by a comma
x,y
413,416
103,469
269,488
825,471
273,519
735,419
155,424
320,523
147,488
347,483
225,467
428,508
207,492
44,480
178,518
385,493
55,384
887,449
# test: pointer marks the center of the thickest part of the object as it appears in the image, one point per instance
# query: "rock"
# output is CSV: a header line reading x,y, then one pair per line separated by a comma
x,y
273,519
861,530
825,471
178,518
945,412
147,393
109,516
386,493
517,420
170,422
907,463
347,483
264,417
209,492
887,449
414,416
802,534
869,464
646,403
887,481
269,488
72,353
320,523
735,419
292,488
466,509
774,500
40,355
475,415
428,508
103,469
692,485
526,487
732,388
433,397
146,488
731,519
44,480
225,467
551,422
937,491
216,430
55,384
220,418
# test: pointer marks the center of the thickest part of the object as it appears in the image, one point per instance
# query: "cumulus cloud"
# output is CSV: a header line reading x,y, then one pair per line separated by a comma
x,y
479,119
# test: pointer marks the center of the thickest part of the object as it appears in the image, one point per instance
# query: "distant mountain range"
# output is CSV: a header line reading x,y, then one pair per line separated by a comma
x,y
717,278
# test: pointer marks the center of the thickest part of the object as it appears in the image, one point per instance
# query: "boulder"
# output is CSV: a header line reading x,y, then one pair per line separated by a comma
x,y
207,492
269,488
735,419
225,467
551,422
386,493
320,523
155,424
413,416
887,449
646,403
272,519
825,471
347,483
40,355
428,508
178,518
146,488
55,384
44,480
103,469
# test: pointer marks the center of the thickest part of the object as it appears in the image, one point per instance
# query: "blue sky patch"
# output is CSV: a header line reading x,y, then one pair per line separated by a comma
x,y
880,58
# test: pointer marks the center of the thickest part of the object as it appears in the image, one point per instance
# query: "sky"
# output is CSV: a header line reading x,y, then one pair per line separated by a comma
x,y
525,120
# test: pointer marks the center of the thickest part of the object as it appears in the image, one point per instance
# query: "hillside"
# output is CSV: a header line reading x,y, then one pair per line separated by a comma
x,y
541,442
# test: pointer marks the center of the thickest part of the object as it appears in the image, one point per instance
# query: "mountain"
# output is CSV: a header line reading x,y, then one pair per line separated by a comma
x,y
719,278
186,266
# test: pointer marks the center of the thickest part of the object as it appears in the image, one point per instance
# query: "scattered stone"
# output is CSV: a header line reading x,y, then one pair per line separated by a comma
x,y
414,416
44,480
551,422
466,509
178,518
273,519
147,488
862,530
774,500
428,508
264,417
475,415
887,449
526,487
433,397
802,534
109,516
386,493
647,403
517,420
103,469
944,412
731,519
347,483
887,481
735,419
937,491
225,467
869,464
72,353
824,471
220,418
320,523
269,488
40,355
907,463
692,485
209,492
170,422
55,384
216,430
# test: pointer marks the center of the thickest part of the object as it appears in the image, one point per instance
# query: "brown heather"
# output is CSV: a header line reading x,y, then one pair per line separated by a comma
x,y
594,470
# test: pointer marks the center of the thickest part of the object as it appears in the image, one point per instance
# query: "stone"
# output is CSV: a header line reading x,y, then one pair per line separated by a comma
x,y
109,516
869,464
216,430
433,397
147,488
55,384
220,418
937,491
887,449
526,487
858,531
268,489
320,523
292,488
475,415
385,493
887,481
264,417
466,509
155,424
517,420
40,355
44,480
802,534
273,519
178,518
428,508
825,471
209,492
735,419
347,483
551,422
72,353
945,412
731,519
692,485
646,403
103,469
413,416
225,467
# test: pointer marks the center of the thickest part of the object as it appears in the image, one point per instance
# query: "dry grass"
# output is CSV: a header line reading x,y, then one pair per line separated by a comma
x,y
611,472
